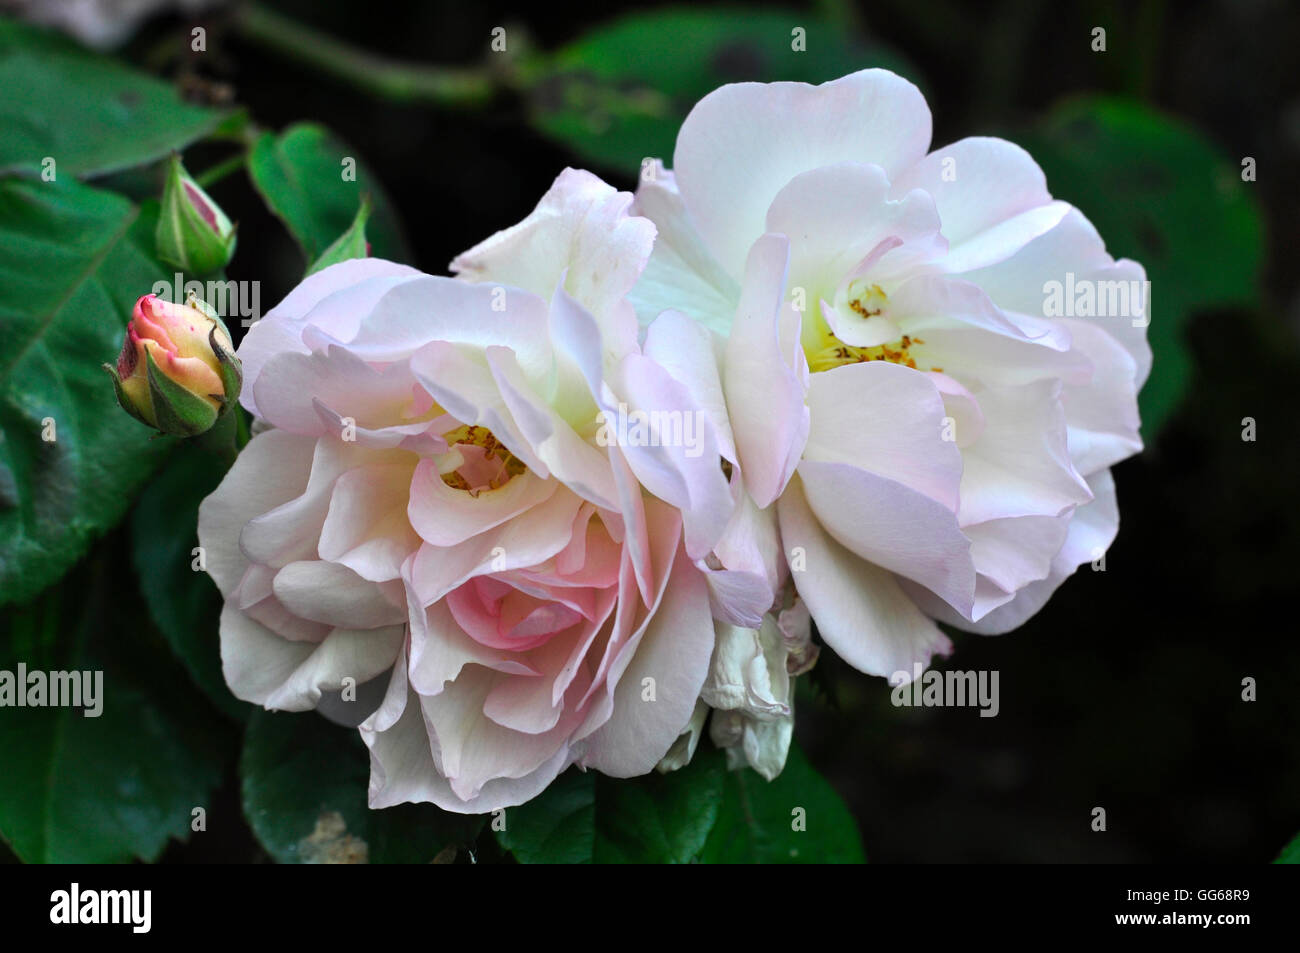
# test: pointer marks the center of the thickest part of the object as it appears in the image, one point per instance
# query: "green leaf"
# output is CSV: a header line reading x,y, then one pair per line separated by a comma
x,y
756,824
351,244
88,113
300,175
1161,194
110,788
1291,853
585,817
305,783
73,261
618,94
183,602
556,827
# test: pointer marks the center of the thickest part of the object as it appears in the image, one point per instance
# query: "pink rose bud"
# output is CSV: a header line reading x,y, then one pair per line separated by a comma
x,y
177,371
193,233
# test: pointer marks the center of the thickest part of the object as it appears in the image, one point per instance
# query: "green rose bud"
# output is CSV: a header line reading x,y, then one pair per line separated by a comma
x,y
193,233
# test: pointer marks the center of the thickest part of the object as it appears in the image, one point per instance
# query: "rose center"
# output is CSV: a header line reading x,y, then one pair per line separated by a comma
x,y
867,300
826,351
485,462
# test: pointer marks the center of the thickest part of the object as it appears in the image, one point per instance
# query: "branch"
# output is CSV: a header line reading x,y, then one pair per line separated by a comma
x,y
399,82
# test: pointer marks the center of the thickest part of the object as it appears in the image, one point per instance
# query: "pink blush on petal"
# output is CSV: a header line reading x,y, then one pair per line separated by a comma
x,y
478,607
523,616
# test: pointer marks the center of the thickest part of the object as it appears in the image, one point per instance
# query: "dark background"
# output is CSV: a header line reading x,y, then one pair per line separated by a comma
x,y
1125,692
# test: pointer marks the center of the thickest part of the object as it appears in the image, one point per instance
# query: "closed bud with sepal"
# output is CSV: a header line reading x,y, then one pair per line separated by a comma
x,y
177,371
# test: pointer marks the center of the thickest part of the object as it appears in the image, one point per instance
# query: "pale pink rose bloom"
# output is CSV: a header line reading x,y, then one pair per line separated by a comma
x,y
433,501
932,435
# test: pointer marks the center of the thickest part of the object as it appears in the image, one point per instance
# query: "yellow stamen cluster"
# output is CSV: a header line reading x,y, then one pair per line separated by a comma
x,y
825,351
868,302
837,354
